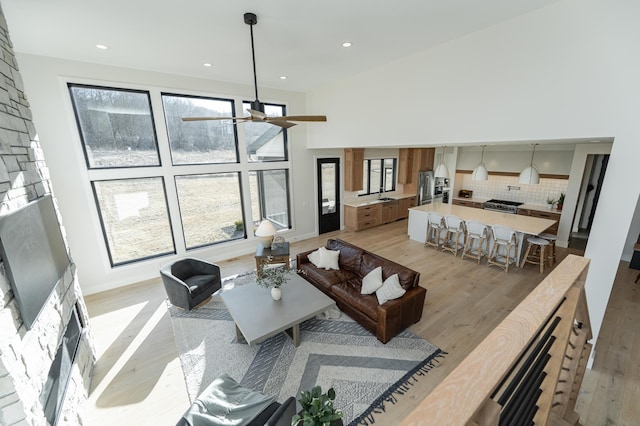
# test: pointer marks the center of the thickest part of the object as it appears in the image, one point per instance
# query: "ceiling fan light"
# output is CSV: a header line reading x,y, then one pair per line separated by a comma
x,y
529,176
480,172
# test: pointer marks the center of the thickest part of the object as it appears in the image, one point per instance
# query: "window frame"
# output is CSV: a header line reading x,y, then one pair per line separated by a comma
x,y
285,136
261,194
367,166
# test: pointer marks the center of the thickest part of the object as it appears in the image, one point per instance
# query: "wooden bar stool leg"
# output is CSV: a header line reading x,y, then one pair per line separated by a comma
x,y
542,259
526,255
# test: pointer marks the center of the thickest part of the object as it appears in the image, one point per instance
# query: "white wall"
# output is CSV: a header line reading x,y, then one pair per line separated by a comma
x,y
45,81
567,71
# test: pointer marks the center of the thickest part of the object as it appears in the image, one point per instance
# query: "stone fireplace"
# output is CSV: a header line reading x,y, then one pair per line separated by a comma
x,y
28,357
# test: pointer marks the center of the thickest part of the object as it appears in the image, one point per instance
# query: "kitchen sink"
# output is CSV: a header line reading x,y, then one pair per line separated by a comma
x,y
386,199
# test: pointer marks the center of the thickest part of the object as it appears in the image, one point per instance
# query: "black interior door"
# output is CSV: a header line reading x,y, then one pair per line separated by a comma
x,y
328,194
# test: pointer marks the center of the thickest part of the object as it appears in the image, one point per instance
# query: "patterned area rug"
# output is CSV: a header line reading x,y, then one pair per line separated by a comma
x,y
336,353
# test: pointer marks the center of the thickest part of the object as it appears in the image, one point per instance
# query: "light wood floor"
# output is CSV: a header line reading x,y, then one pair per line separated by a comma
x,y
138,379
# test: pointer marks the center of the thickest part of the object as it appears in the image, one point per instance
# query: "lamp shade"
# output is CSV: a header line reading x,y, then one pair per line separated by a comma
x,y
266,231
480,172
530,176
442,171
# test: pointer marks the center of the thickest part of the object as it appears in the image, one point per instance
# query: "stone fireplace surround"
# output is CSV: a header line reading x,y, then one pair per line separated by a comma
x,y
26,356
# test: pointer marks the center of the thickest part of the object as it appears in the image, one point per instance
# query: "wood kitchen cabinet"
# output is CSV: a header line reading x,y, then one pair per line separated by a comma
x,y
404,204
423,158
362,217
467,203
544,215
353,173
389,211
405,165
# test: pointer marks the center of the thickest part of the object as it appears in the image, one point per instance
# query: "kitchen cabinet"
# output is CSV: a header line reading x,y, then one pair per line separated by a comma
x,y
353,164
389,211
405,165
544,215
423,158
362,217
467,203
404,204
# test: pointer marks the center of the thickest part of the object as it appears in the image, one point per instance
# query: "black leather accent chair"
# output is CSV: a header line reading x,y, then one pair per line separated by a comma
x,y
189,282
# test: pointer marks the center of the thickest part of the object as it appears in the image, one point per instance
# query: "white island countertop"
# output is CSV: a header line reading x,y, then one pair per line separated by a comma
x,y
524,224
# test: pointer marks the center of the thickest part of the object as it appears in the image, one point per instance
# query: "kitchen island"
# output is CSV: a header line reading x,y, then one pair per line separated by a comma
x,y
528,225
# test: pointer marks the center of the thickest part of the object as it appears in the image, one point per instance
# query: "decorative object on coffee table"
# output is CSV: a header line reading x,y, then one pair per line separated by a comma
x,y
317,409
274,277
270,256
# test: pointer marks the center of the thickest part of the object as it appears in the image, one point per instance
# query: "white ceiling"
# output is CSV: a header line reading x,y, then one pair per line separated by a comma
x,y
300,39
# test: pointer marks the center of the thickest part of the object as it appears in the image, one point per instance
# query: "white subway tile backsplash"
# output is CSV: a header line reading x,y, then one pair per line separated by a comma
x,y
504,188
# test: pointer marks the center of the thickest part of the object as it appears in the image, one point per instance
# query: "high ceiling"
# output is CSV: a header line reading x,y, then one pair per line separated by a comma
x,y
299,39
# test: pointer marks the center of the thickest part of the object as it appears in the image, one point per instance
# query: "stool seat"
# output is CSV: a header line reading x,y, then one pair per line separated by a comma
x,y
454,234
505,243
537,256
477,240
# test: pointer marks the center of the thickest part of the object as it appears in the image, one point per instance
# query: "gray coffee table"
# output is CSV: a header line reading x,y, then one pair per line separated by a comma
x,y
257,316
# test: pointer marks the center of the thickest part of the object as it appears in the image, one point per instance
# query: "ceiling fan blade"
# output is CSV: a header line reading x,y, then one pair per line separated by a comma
x,y
276,121
304,118
258,115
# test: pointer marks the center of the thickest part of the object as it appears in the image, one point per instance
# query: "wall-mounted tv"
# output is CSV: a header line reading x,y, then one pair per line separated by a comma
x,y
34,255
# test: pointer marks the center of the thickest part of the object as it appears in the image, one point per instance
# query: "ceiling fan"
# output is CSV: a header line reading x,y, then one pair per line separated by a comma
x,y
257,108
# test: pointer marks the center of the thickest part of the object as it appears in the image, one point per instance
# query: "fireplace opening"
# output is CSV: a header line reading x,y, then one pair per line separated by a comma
x,y
53,393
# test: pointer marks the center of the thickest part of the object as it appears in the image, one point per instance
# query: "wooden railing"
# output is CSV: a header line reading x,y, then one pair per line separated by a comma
x,y
529,369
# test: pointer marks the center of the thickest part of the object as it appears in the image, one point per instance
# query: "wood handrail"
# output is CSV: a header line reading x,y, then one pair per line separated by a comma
x,y
463,397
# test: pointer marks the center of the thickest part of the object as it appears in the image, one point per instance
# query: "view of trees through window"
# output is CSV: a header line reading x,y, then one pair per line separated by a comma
x,y
379,176
201,190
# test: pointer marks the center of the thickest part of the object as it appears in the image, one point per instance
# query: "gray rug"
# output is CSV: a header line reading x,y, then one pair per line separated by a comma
x,y
336,353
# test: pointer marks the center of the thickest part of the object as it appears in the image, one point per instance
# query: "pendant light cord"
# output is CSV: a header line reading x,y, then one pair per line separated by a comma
x,y
533,153
482,155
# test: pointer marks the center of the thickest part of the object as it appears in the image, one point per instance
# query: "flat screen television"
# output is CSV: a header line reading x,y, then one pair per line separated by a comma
x,y
34,255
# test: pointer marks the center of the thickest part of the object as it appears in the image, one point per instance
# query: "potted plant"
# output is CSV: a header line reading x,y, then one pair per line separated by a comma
x,y
551,202
560,201
273,277
317,409
239,225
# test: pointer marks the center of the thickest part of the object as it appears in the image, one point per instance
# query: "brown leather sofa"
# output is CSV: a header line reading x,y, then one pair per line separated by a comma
x,y
343,286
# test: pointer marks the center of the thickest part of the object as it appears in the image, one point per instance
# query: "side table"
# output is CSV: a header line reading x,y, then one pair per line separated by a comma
x,y
265,256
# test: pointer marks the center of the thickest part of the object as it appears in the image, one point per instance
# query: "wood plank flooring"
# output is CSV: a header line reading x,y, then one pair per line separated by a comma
x,y
138,378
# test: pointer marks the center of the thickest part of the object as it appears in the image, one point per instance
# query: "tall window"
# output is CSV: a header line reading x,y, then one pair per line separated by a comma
x,y
201,169
200,142
266,142
270,197
134,218
379,176
116,126
210,207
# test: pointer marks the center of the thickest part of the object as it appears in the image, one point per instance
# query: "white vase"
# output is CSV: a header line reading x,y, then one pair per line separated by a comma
x,y
276,293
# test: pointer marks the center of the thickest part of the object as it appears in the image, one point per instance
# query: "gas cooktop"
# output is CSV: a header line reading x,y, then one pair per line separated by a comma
x,y
505,202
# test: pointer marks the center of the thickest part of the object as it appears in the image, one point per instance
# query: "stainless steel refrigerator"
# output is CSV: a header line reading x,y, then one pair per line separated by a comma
x,y
425,187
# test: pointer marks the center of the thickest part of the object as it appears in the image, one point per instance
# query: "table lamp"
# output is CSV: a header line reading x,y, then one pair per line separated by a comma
x,y
266,231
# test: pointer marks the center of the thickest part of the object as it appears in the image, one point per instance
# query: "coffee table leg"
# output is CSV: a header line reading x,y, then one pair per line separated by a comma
x,y
294,334
239,336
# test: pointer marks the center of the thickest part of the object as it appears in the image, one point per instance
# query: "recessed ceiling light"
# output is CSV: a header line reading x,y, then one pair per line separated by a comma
x,y
102,46
208,64
346,44
283,77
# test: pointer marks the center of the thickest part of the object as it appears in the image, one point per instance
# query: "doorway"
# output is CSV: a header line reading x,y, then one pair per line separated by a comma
x,y
595,169
328,194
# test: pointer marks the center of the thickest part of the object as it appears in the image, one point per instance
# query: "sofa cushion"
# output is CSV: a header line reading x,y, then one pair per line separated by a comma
x,y
390,289
314,257
372,281
323,278
329,259
350,255
349,292
371,261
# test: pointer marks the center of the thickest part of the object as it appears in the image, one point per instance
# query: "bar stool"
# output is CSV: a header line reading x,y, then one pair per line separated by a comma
x,y
454,229
537,256
477,240
551,258
434,230
505,244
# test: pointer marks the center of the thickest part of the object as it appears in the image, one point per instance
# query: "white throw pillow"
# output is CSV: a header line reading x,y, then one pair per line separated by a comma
x,y
329,259
314,257
372,281
390,290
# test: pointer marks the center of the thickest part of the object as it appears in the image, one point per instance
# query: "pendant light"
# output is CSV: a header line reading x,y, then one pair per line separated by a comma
x,y
442,171
530,175
480,172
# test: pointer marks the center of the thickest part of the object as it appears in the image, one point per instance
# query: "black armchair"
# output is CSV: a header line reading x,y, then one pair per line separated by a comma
x,y
189,282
